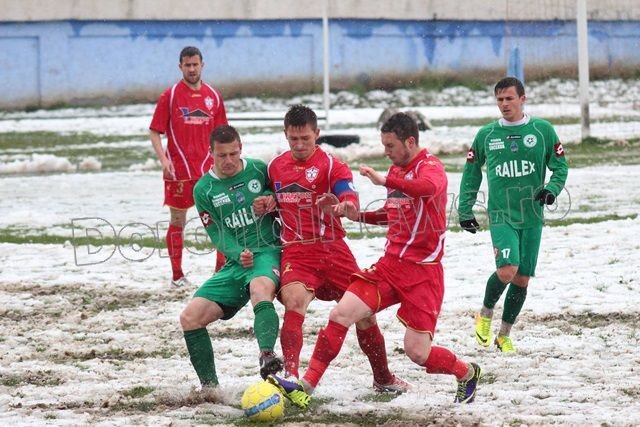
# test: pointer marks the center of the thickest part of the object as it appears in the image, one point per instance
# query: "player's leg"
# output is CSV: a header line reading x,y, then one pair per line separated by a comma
x,y
301,265
262,291
507,257
348,311
517,293
220,297
373,345
440,360
194,320
175,243
295,297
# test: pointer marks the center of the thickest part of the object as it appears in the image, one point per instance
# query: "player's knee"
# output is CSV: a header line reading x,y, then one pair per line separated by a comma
x,y
186,320
342,315
520,281
417,354
295,297
507,273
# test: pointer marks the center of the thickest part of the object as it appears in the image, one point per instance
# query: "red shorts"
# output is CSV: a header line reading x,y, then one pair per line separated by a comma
x,y
419,288
179,194
323,267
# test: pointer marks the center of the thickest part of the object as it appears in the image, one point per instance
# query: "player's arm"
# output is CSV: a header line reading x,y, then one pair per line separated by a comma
x,y
221,114
430,180
221,238
557,164
471,180
159,125
156,141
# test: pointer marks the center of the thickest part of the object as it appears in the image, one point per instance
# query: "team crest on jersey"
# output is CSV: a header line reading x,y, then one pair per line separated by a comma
x,y
471,156
409,176
255,186
206,219
530,141
558,149
311,174
208,101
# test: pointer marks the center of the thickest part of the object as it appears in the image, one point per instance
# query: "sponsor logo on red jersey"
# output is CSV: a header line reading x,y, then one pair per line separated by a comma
x,y
558,149
471,156
195,117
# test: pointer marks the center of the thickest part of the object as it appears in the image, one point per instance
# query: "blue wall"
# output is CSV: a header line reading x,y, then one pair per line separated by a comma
x,y
43,63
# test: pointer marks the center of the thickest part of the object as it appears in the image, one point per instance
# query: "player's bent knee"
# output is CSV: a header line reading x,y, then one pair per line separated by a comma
x,y
507,273
417,355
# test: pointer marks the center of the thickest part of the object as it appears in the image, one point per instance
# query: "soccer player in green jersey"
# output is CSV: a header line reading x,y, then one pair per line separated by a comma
x,y
517,151
224,199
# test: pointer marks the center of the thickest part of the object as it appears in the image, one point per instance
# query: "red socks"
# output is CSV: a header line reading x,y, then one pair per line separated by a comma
x,y
174,247
443,361
327,347
291,341
372,344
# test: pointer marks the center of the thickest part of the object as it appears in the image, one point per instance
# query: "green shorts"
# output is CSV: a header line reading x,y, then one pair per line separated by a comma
x,y
517,247
229,287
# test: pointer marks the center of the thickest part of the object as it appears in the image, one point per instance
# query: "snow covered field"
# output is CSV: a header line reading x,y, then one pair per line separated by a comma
x,y
88,339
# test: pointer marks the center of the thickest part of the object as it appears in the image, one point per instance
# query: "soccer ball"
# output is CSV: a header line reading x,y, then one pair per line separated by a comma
x,y
262,402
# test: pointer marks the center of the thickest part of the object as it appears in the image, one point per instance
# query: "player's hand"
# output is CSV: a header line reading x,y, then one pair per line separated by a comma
x,y
349,210
246,258
545,197
470,225
263,205
375,177
325,202
167,168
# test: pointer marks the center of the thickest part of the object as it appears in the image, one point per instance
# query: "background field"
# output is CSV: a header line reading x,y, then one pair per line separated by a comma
x,y
88,323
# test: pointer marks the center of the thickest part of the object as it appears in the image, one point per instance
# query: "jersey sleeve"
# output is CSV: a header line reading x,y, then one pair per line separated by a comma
x,y
471,178
377,217
221,114
342,183
556,162
221,238
430,180
161,115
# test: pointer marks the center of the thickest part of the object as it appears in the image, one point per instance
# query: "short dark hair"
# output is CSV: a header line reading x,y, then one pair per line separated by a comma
x,y
299,116
224,134
190,51
403,125
509,82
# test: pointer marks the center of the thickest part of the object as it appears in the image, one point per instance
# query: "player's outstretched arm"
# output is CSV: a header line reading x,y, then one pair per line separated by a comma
x,y
375,177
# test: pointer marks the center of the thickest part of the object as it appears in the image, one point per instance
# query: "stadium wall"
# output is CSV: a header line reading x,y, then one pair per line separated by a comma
x,y
69,54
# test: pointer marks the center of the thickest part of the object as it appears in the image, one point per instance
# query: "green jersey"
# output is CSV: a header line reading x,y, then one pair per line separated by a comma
x,y
517,157
225,209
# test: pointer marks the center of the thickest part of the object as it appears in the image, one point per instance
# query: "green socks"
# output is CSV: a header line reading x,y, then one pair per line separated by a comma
x,y
513,303
493,291
265,325
201,354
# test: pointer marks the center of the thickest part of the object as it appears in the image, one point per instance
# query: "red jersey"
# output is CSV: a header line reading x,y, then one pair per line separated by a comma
x,y
297,185
188,116
415,210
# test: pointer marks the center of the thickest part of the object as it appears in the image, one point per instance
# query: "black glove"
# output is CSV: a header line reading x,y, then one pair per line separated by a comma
x,y
545,197
470,225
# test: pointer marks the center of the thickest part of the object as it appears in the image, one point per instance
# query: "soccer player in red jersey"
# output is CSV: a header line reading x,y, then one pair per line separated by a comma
x,y
316,262
186,112
409,272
